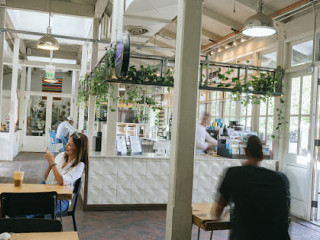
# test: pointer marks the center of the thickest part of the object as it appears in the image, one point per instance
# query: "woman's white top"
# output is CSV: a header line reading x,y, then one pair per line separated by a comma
x,y
203,138
69,174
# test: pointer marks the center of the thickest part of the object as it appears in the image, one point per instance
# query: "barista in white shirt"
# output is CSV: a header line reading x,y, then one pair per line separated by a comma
x,y
65,129
203,140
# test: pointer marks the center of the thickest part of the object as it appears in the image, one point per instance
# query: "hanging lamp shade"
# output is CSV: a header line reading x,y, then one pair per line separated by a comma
x,y
259,25
47,42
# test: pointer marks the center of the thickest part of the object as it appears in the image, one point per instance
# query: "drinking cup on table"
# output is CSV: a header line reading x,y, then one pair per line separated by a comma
x,y
18,178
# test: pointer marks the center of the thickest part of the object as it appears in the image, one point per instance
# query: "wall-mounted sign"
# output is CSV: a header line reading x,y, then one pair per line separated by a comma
x,y
122,56
50,71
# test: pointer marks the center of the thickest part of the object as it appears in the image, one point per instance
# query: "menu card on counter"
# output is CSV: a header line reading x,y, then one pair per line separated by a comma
x,y
121,144
135,145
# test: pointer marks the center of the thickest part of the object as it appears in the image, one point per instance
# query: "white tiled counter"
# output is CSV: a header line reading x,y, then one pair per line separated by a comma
x,y
144,179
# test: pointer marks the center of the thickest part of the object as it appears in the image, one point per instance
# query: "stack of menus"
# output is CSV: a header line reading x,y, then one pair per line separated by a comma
x,y
135,145
121,145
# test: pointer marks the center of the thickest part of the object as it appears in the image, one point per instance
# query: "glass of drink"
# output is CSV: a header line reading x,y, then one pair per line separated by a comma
x,y
18,178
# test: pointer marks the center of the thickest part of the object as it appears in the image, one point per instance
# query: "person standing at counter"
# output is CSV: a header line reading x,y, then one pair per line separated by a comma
x,y
65,129
203,139
261,198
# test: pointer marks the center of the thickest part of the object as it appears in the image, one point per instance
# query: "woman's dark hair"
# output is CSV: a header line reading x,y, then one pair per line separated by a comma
x,y
254,147
82,147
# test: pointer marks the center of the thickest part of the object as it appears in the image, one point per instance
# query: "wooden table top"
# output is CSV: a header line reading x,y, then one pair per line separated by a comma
x,y
203,218
64,192
46,236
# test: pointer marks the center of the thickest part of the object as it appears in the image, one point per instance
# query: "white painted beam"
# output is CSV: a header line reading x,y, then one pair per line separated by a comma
x,y
100,7
209,34
57,6
222,19
26,63
147,19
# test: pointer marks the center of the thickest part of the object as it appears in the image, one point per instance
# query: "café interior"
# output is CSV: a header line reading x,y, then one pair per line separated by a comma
x,y
136,77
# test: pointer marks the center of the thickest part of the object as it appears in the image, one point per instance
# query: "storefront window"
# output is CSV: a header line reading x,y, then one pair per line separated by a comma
x,y
60,111
266,121
229,113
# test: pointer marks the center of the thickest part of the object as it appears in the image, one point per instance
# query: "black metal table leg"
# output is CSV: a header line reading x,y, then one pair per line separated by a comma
x,y
198,233
211,235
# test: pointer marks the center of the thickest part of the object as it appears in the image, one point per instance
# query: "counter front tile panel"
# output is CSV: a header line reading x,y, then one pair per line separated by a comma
x,y
137,180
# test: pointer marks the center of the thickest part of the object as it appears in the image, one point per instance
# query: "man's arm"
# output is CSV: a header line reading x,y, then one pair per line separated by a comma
x,y
211,140
217,209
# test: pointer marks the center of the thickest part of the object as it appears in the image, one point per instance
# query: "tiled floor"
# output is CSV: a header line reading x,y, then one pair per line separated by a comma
x,y
125,225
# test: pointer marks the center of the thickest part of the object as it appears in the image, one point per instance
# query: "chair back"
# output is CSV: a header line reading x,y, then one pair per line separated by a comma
x,y
76,192
22,204
26,225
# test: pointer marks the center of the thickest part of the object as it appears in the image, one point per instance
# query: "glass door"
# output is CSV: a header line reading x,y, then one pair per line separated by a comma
x,y
298,149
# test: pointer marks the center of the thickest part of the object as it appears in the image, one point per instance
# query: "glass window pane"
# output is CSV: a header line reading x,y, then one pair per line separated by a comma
x,y
60,111
269,60
301,53
271,106
227,108
293,135
306,95
263,108
243,121
36,120
304,136
243,110
249,109
295,96
233,108
262,127
248,127
202,110
202,95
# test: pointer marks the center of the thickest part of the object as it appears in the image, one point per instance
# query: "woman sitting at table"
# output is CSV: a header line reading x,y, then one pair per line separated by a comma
x,y
67,167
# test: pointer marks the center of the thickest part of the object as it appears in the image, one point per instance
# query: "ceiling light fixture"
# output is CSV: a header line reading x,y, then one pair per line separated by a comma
x,y
259,25
47,42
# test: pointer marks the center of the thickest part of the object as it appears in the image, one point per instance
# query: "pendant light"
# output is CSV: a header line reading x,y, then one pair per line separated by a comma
x,y
47,42
259,25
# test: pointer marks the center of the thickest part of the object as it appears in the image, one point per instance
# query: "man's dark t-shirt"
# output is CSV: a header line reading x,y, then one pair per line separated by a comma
x,y
261,203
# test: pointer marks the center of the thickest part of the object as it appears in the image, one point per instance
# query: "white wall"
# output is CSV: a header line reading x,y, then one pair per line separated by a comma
x,y
36,81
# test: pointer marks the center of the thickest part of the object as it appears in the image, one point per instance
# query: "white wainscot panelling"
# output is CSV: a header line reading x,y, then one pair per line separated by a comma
x,y
203,196
138,182
204,183
95,182
137,196
123,181
151,182
94,196
96,167
151,196
204,168
110,166
216,173
123,196
163,196
139,167
109,196
164,167
268,164
153,167
109,181
125,165
231,163
195,196
163,181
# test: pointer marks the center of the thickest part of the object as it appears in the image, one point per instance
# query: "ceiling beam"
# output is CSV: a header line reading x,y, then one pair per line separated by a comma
x,y
160,44
100,7
254,6
57,6
220,18
148,19
62,66
209,34
168,34
56,54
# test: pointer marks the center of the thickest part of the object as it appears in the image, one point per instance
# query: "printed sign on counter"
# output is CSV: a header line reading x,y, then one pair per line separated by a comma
x,y
121,145
135,145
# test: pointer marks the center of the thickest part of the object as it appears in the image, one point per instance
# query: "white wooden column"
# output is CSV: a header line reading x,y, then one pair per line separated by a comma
x,y
22,103
92,99
277,144
14,82
83,71
2,25
109,134
74,92
27,98
179,210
